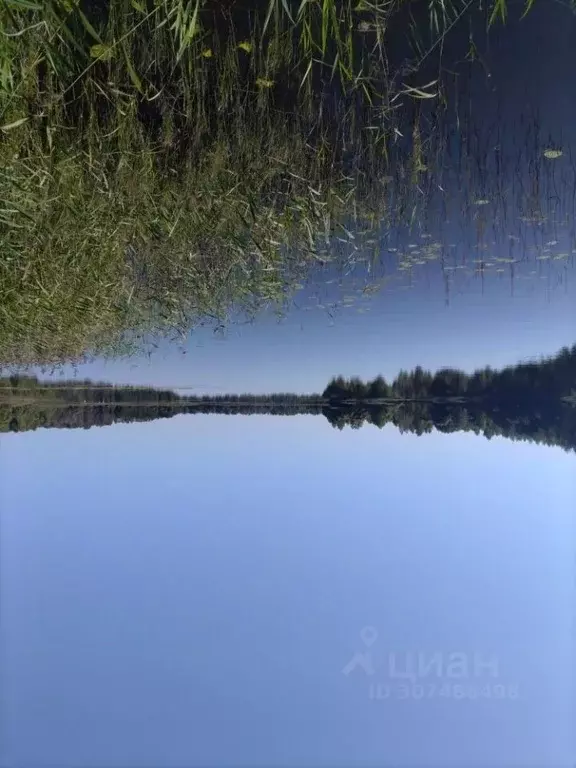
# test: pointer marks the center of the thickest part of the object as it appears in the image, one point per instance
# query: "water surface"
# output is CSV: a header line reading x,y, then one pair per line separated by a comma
x,y
189,592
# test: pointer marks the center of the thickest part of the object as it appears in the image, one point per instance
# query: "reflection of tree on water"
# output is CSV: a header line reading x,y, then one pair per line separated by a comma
x,y
529,401
532,400
552,424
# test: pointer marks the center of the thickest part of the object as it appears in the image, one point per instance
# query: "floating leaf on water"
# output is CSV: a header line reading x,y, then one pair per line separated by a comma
x,y
392,250
482,202
245,45
101,51
262,82
412,245
552,154
543,258
552,242
560,256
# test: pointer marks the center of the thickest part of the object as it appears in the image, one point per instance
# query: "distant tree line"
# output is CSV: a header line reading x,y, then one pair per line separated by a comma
x,y
548,379
530,401
86,392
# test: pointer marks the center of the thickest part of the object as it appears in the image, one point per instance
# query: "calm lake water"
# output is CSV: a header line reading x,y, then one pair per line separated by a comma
x,y
207,589
216,590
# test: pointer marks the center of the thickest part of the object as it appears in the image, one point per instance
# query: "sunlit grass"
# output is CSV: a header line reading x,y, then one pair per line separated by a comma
x,y
164,160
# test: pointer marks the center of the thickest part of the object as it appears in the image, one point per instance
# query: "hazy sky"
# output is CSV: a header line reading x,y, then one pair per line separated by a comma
x,y
402,328
187,592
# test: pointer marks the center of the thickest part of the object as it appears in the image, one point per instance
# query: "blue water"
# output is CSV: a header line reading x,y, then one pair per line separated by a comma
x,y
189,592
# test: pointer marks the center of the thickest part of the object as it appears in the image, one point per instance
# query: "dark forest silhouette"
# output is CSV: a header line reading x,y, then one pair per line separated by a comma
x,y
552,378
533,401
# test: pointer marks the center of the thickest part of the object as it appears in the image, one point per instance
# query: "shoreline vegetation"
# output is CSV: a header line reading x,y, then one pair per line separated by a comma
x,y
533,401
164,161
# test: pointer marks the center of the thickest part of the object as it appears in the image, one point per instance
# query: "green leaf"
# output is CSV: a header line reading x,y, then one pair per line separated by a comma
x,y
101,51
287,9
69,5
131,71
553,154
271,6
500,9
188,31
528,7
23,4
88,27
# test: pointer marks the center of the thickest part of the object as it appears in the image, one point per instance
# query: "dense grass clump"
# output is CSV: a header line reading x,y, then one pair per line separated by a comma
x,y
164,160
